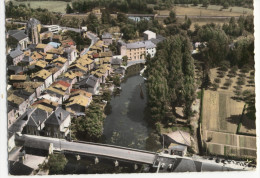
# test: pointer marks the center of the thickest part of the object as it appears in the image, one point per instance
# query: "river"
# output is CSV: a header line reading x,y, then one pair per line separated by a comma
x,y
126,125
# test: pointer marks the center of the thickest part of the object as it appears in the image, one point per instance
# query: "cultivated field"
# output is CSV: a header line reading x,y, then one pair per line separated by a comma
x,y
221,117
231,144
220,112
53,6
211,10
247,86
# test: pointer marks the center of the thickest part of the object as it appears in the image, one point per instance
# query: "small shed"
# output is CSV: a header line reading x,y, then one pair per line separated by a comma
x,y
176,149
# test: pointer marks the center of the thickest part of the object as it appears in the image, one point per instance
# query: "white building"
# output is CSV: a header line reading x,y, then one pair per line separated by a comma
x,y
149,35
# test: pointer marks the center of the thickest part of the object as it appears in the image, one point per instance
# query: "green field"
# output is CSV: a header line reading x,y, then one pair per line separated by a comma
x,y
53,6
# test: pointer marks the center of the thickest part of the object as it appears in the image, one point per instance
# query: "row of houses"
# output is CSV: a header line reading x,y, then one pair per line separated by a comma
x,y
49,83
35,94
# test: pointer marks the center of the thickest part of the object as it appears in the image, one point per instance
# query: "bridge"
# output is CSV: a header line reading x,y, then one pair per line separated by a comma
x,y
134,62
88,148
159,161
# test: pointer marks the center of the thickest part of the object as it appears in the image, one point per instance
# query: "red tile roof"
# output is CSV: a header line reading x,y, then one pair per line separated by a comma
x,y
95,55
66,84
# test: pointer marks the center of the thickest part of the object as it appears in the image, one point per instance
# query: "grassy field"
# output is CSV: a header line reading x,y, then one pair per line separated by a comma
x,y
53,6
221,117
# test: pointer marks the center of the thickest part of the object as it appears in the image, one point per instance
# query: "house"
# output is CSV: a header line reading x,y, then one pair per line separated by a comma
x,y
138,50
71,53
14,57
33,28
36,119
51,98
43,47
58,51
64,84
46,37
38,87
21,38
149,35
15,70
102,72
78,67
40,64
67,42
10,115
50,57
78,101
27,60
96,11
58,123
91,84
17,78
61,62
27,94
107,38
70,77
46,105
158,39
56,72
36,56
116,61
32,47
86,62
43,76
107,54
59,89
11,142
18,103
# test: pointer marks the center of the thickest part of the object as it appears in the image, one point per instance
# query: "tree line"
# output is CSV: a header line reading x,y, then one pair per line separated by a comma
x,y
170,79
126,6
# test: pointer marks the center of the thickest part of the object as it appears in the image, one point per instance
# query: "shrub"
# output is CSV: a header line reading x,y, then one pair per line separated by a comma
x,y
245,69
238,87
241,81
215,86
221,74
228,82
251,81
217,80
223,68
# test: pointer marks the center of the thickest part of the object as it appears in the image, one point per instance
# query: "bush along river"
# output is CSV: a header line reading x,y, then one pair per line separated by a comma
x,y
125,125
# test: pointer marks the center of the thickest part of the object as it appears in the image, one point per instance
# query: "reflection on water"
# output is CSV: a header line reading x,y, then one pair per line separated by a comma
x,y
125,125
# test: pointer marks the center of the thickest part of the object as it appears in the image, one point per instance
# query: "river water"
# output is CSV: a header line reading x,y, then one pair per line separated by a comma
x,y
127,124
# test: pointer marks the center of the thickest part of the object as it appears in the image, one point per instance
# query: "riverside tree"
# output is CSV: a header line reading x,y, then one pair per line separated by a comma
x,y
171,78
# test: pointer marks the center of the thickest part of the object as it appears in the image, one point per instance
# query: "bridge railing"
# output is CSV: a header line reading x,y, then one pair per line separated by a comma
x,y
114,146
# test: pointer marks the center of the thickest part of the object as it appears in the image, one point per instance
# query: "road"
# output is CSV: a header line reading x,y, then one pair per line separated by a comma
x,y
94,149
93,38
